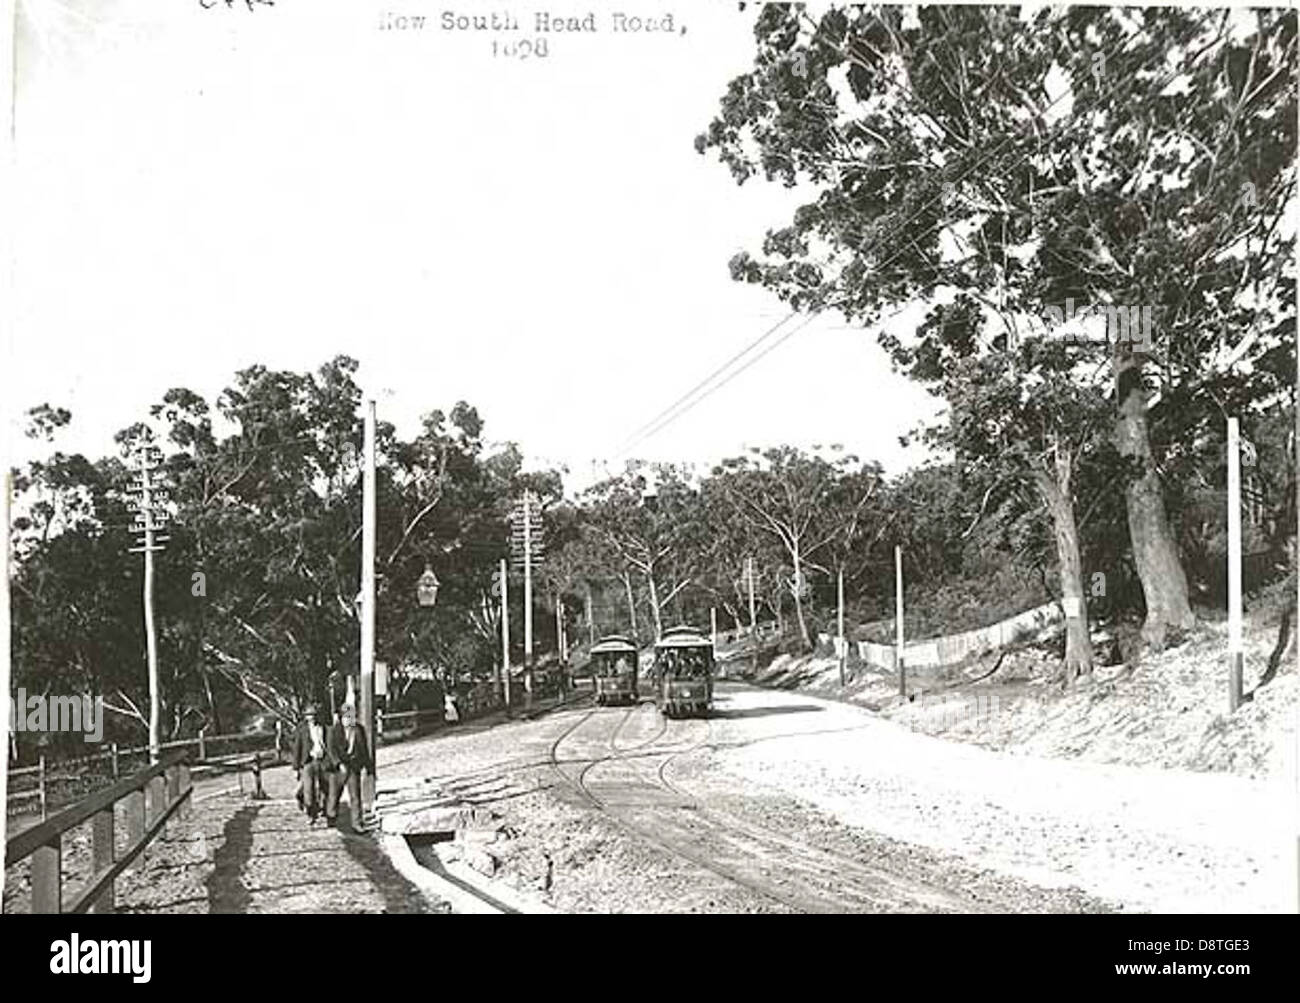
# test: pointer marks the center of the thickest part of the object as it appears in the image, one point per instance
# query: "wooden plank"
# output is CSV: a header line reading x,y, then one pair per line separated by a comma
x,y
25,843
104,879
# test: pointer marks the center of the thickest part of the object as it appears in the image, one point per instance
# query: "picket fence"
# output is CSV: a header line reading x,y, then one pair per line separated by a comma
x,y
939,652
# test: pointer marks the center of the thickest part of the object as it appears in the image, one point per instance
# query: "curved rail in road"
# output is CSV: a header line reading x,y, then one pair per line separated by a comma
x,y
632,786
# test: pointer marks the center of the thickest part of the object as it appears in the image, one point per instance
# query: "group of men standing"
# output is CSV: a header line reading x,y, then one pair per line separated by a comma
x,y
326,758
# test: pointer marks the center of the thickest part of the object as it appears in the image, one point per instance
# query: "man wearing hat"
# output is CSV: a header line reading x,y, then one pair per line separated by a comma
x,y
310,756
349,757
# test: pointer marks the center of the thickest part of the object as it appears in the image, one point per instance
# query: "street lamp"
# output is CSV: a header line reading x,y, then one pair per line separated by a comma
x,y
332,681
426,588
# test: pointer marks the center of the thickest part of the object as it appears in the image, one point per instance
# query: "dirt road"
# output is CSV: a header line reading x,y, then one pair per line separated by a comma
x,y
620,809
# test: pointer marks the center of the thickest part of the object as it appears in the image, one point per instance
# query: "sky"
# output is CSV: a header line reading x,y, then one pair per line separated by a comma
x,y
205,189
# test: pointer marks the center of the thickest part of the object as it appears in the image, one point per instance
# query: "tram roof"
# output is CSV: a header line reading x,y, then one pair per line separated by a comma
x,y
613,643
684,637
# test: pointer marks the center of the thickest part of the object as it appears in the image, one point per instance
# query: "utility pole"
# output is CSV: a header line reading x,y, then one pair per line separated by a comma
x,y
5,651
591,621
898,607
713,627
1296,446
528,596
842,645
559,626
367,673
149,521
526,547
505,633
1234,565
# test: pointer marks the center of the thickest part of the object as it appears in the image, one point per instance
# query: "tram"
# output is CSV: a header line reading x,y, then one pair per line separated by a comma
x,y
683,672
614,670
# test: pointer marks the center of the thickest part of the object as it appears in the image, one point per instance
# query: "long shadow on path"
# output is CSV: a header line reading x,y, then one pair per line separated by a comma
x,y
226,892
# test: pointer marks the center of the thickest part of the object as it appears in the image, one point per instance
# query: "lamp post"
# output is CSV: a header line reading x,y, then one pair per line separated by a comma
x,y
426,589
333,681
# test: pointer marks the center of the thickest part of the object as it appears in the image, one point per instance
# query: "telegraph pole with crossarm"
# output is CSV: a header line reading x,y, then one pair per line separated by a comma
x,y
150,518
527,547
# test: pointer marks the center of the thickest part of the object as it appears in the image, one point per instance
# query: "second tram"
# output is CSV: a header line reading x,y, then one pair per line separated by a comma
x,y
614,670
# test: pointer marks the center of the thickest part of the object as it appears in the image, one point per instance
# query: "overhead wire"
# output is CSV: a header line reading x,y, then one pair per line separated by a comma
x,y
669,415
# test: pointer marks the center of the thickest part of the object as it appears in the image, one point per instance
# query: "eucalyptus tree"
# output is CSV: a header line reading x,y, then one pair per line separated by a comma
x,y
1122,159
647,521
804,502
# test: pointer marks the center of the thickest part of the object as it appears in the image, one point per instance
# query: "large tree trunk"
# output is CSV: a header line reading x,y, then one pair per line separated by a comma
x,y
797,588
631,607
213,713
1164,584
1055,491
654,607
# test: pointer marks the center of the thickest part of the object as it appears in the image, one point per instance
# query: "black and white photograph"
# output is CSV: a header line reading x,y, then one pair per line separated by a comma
x,y
699,457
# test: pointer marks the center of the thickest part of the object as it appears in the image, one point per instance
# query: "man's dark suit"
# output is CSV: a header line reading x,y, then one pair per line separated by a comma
x,y
311,772
348,754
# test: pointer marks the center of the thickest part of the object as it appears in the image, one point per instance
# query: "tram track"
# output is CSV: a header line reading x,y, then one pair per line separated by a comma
x,y
623,765
757,858
820,859
581,786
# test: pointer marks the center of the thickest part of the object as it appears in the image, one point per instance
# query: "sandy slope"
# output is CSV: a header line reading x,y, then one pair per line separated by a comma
x,y
1171,711
1150,838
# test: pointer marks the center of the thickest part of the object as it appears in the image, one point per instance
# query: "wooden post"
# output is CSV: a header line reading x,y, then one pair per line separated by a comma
x,y
101,856
136,820
157,799
203,748
186,785
591,621
40,779
898,608
117,770
47,877
1234,566
173,789
368,604
505,633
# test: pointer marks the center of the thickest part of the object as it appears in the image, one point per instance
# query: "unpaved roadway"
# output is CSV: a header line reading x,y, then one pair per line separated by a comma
x,y
618,809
